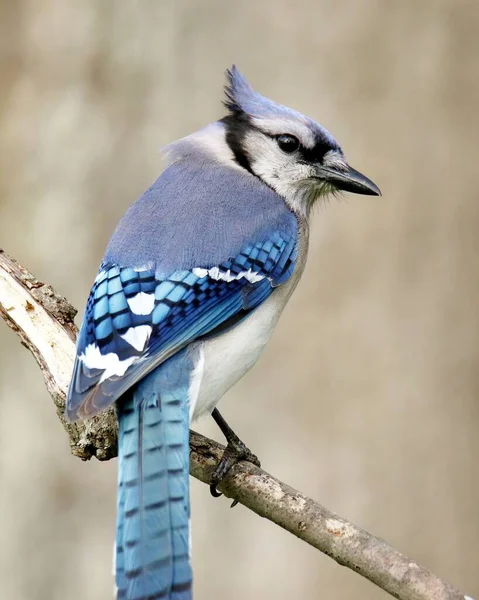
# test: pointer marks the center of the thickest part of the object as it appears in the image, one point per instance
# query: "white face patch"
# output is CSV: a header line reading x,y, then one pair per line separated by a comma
x,y
282,172
112,366
142,304
293,179
217,275
138,336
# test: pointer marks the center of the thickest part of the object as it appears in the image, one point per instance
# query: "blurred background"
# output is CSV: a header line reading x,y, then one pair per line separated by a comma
x,y
367,397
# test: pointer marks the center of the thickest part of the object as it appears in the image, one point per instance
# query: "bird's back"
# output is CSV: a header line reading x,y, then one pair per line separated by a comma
x,y
199,212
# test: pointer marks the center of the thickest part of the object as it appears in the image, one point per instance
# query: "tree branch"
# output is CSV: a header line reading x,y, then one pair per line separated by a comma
x,y
44,322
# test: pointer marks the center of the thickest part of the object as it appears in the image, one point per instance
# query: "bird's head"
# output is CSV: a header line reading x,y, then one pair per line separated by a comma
x,y
289,152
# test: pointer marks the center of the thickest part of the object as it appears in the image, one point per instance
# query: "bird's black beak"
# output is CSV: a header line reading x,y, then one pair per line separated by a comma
x,y
349,180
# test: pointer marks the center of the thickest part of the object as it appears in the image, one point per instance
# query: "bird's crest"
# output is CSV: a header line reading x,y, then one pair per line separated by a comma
x,y
241,98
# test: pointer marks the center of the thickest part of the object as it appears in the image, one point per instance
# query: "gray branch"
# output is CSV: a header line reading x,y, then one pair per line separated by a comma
x,y
44,322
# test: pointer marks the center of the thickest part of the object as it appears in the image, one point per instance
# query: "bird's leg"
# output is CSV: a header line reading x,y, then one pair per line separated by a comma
x,y
235,451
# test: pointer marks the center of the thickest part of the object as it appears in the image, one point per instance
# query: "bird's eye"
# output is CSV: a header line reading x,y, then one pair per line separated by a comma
x,y
288,143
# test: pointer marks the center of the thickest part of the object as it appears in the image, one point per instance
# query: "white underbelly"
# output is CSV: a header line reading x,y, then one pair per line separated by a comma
x,y
222,360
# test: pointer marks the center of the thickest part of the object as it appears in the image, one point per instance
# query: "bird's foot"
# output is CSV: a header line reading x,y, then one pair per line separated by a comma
x,y
235,451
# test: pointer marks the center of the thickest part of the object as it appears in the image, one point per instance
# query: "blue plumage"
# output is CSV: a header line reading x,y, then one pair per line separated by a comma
x,y
197,200
184,303
187,257
152,554
152,547
186,306
153,510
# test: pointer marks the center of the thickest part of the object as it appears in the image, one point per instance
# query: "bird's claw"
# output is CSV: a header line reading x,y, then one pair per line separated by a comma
x,y
235,452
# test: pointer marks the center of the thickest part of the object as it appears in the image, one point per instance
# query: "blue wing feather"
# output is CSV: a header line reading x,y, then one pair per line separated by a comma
x,y
188,304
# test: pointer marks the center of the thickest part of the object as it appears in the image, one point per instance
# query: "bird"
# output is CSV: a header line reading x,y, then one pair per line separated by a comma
x,y
189,291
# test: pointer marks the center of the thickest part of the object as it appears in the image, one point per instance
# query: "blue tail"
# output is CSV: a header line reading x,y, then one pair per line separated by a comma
x,y
152,547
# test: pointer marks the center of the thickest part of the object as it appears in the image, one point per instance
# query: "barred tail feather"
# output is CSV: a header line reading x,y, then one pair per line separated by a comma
x,y
152,551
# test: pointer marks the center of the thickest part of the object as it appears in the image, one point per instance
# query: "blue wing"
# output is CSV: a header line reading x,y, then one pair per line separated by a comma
x,y
136,319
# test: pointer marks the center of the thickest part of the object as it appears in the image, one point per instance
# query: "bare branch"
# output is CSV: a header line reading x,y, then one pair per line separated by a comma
x,y
44,322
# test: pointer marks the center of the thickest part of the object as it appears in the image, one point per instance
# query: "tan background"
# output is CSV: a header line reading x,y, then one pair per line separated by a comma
x,y
367,398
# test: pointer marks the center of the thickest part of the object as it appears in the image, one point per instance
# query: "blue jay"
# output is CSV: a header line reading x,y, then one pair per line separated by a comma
x,y
188,293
